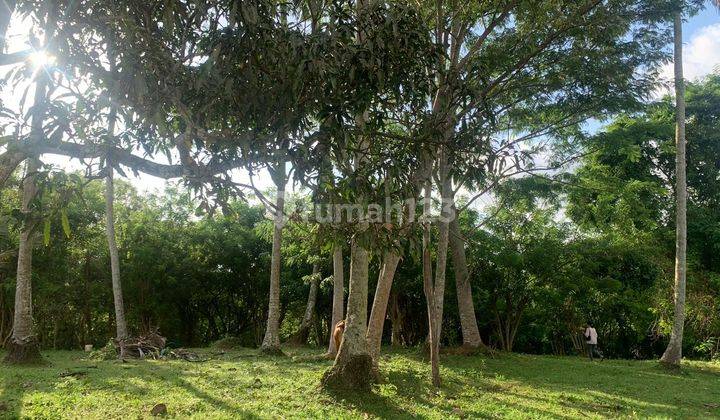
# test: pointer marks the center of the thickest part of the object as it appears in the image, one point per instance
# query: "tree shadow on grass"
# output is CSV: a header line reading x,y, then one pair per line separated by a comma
x,y
370,403
144,380
610,388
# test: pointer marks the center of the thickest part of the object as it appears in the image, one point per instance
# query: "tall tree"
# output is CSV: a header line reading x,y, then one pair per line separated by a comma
x,y
673,353
271,342
23,345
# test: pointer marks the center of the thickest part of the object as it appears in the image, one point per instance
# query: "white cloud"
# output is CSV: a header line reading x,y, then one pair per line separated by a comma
x,y
701,56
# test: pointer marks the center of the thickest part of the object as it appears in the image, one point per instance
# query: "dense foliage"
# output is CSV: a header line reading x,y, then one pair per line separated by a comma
x,y
540,266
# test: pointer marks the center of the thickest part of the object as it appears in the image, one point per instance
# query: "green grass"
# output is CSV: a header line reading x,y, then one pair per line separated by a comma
x,y
239,384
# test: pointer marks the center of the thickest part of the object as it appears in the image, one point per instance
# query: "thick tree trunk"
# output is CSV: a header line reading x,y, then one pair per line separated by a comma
x,y
23,348
468,322
380,303
121,333
301,336
271,342
338,307
430,294
673,353
353,368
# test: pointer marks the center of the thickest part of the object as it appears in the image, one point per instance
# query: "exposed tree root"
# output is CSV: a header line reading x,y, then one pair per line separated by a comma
x,y
24,353
354,373
468,350
271,351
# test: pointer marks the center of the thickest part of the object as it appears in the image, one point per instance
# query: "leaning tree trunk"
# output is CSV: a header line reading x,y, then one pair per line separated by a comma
x,y
466,307
300,337
271,342
338,307
121,333
353,368
673,353
380,303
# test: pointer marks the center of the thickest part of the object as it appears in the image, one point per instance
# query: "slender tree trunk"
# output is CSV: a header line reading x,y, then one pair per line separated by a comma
x,y
301,336
443,241
430,294
466,307
353,368
673,353
394,320
121,333
87,308
338,307
271,342
380,303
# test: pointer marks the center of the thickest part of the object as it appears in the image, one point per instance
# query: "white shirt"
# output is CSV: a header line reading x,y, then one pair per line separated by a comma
x,y
590,331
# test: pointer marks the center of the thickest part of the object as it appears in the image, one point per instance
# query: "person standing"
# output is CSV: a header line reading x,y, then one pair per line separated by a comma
x,y
591,339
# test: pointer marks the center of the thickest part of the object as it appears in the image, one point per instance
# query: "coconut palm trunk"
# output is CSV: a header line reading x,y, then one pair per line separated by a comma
x,y
673,353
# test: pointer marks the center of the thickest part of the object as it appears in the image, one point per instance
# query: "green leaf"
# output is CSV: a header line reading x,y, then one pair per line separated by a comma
x,y
46,232
65,222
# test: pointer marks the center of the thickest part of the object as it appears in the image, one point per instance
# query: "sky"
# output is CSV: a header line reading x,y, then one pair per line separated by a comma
x,y
701,55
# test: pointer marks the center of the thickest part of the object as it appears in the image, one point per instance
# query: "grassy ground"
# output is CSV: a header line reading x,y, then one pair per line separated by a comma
x,y
238,384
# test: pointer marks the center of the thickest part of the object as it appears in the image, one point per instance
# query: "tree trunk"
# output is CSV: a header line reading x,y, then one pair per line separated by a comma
x,y
428,289
353,368
466,307
396,320
301,336
271,342
121,333
338,307
380,303
87,304
443,241
673,353
24,347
